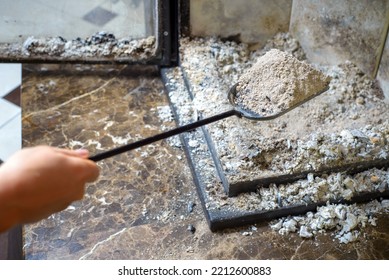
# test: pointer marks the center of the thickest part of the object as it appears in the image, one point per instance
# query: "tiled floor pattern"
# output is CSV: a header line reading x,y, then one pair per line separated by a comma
x,y
10,111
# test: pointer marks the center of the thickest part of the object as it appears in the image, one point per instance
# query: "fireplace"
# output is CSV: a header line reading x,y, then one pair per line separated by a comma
x,y
330,152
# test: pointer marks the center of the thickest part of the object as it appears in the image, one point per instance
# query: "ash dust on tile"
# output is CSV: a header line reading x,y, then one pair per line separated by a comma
x,y
348,123
101,44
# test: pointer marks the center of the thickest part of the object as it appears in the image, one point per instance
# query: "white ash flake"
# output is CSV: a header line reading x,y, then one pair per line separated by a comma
x,y
345,221
165,113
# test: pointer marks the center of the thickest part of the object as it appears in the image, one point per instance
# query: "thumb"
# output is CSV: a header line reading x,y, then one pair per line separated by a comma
x,y
82,153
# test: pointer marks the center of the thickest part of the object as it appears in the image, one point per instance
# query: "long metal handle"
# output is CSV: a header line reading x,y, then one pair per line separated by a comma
x,y
163,135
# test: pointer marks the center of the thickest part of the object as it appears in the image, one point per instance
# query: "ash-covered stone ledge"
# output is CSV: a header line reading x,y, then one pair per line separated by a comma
x,y
345,125
98,45
319,153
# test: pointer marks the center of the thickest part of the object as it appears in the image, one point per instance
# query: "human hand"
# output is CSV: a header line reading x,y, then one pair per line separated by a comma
x,y
36,182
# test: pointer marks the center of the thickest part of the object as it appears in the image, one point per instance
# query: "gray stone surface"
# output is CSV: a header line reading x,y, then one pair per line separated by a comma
x,y
383,71
332,32
255,21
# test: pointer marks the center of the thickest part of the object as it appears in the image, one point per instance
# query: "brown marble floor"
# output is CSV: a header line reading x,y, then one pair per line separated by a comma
x,y
140,206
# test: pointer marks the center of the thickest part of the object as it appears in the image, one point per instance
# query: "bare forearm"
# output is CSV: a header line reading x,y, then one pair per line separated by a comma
x,y
8,213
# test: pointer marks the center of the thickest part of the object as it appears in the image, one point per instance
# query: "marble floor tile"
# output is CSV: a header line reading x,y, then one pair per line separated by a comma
x,y
10,77
11,137
8,111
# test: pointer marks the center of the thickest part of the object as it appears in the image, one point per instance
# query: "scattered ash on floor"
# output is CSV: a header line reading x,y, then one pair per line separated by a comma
x,y
345,124
346,222
99,45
